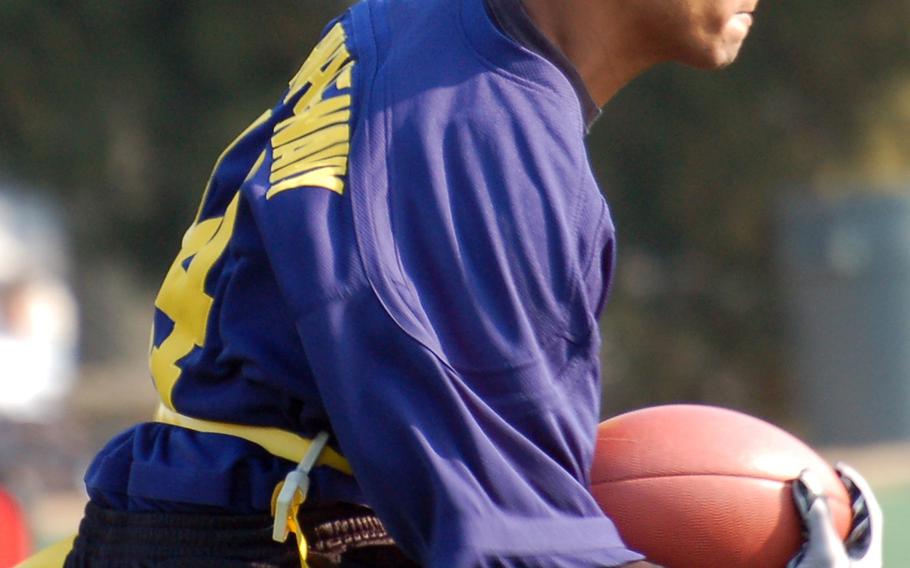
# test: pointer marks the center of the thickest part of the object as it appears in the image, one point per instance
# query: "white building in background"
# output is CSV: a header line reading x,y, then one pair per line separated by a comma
x,y
38,315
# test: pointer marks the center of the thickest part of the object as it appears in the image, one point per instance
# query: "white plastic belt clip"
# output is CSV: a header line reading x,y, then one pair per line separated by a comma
x,y
297,480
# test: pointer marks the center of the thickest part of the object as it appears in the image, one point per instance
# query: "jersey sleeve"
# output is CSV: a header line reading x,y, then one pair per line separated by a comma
x,y
460,479
461,380
436,283
464,388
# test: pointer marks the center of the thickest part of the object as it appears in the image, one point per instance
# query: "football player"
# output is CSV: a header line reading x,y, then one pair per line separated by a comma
x,y
380,332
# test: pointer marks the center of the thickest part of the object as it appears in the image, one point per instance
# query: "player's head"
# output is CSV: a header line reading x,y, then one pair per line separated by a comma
x,y
613,41
707,34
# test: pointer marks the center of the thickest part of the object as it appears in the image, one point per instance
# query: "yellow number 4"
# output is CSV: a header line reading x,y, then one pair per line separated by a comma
x,y
183,298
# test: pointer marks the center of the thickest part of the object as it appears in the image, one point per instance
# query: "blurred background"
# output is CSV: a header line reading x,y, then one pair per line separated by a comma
x,y
763,215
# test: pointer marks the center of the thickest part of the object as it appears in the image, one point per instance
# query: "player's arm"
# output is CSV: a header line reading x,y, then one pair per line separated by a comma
x,y
823,547
454,478
441,341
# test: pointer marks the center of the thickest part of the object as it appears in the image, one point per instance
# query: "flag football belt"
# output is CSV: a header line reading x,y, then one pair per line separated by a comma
x,y
290,494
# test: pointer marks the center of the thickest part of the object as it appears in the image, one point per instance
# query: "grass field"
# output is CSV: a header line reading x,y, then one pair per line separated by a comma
x,y
896,505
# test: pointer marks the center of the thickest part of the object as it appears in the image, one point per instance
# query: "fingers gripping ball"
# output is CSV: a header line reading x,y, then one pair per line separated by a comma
x,y
694,486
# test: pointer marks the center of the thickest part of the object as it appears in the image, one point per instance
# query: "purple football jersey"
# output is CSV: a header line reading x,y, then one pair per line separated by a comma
x,y
410,252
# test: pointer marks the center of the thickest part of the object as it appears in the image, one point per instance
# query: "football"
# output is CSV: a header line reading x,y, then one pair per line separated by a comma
x,y
693,486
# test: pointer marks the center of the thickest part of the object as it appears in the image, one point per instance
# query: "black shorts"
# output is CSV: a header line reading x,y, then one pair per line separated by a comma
x,y
344,535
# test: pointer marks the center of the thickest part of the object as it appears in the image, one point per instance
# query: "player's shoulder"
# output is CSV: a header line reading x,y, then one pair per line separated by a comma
x,y
447,62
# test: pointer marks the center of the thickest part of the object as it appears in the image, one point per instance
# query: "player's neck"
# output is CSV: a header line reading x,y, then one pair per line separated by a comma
x,y
599,37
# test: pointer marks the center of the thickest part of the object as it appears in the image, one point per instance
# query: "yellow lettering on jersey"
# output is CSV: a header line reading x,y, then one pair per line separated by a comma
x,y
344,79
310,164
324,51
183,297
335,110
304,147
324,177
310,149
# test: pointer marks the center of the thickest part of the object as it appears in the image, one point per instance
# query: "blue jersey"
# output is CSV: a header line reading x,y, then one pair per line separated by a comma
x,y
410,252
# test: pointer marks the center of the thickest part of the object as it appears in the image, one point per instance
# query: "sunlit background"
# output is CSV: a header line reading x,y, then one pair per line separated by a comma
x,y
763,216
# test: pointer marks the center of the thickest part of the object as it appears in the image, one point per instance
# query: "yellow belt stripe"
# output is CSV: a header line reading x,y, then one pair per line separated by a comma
x,y
275,441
